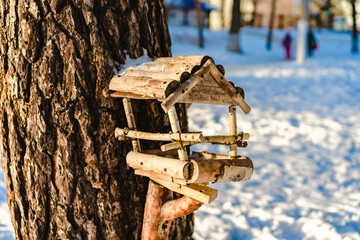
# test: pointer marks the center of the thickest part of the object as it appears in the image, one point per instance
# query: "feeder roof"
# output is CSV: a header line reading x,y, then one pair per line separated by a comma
x,y
183,79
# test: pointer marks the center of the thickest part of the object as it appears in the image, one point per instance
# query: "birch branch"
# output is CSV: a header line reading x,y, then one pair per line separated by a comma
x,y
121,134
224,140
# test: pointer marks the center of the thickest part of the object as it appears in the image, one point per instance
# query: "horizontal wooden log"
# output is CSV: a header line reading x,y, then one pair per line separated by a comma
x,y
120,133
225,140
193,60
186,87
198,192
129,95
157,88
176,64
231,90
196,171
162,165
152,74
221,170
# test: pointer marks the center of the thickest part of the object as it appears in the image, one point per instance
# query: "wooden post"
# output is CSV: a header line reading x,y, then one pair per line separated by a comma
x,y
233,130
131,123
175,127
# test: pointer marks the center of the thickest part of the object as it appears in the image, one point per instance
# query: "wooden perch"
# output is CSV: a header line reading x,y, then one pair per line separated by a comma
x,y
121,134
229,89
159,214
158,88
225,140
186,87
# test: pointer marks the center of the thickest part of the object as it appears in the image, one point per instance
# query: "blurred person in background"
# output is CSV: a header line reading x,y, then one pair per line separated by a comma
x,y
311,43
286,42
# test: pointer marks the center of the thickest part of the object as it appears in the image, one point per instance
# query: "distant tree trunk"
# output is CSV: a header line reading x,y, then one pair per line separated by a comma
x,y
271,25
354,48
65,173
200,22
253,14
235,27
223,13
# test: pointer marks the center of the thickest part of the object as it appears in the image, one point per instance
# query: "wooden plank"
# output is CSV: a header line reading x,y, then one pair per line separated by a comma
x,y
198,192
186,87
207,95
152,174
229,89
157,88
120,132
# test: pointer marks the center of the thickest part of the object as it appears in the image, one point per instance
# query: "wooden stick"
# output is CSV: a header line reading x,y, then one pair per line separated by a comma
x,y
178,136
229,89
158,215
131,123
175,127
167,166
179,207
233,130
225,140
198,192
185,87
152,213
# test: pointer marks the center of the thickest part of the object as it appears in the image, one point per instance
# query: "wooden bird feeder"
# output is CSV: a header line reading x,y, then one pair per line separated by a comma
x,y
184,79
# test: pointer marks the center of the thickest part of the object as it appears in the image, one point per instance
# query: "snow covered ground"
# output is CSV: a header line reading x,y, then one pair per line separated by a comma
x,y
305,141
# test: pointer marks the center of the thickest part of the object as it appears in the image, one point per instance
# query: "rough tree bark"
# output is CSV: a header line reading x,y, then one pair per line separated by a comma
x,y
65,172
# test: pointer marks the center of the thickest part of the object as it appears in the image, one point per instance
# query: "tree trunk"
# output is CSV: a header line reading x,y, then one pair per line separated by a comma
x,y
253,14
65,172
354,48
235,27
271,25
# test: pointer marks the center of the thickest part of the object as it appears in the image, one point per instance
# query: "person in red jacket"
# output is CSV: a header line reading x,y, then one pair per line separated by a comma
x,y
286,42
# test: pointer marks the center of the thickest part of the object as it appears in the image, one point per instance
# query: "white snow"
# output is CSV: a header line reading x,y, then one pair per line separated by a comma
x,y
305,140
